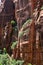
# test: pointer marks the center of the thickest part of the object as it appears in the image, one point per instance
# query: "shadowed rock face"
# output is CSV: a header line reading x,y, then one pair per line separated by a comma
x,y
8,12
41,33
41,1
40,28
8,6
5,17
41,25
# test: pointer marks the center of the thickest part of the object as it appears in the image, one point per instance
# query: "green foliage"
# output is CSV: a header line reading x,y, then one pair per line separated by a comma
x,y
14,45
15,28
4,51
12,22
26,23
26,31
29,64
42,8
5,59
22,32
19,62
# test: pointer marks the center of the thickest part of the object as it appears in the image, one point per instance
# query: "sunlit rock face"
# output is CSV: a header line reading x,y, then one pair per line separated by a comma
x,y
1,5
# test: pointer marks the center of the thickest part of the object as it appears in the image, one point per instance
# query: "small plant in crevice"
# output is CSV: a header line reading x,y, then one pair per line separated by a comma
x,y
14,44
42,8
4,51
14,23
23,31
29,64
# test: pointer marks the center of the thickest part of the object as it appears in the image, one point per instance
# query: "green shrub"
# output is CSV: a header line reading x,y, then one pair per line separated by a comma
x,y
5,59
14,45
